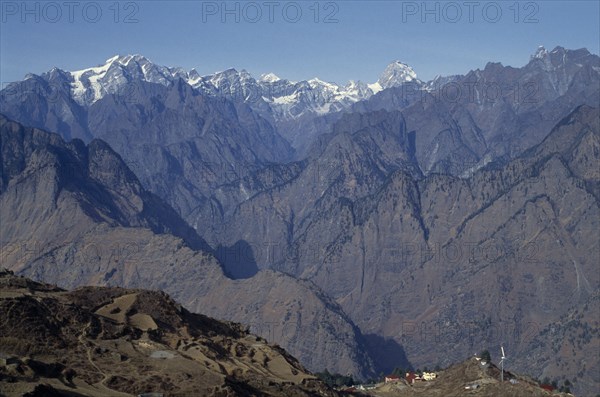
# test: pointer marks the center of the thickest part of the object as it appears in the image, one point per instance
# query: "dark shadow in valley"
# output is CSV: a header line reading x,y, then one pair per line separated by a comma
x,y
386,354
237,261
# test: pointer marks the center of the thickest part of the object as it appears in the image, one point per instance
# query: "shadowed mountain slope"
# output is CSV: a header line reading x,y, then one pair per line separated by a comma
x,y
76,215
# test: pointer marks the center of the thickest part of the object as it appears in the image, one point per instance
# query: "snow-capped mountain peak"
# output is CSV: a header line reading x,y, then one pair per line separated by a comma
x,y
123,60
230,77
91,84
317,82
396,73
540,53
269,78
86,85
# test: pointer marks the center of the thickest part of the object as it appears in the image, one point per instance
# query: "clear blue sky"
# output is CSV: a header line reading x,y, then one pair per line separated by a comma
x,y
363,38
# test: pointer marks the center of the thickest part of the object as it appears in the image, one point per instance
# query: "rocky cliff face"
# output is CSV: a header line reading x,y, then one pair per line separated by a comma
x,y
443,262
76,215
566,343
39,170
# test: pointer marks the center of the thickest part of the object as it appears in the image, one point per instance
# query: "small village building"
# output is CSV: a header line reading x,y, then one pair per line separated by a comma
x,y
411,377
392,379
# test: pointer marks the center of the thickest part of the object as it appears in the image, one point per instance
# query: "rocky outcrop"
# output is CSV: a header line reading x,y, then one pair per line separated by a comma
x,y
97,341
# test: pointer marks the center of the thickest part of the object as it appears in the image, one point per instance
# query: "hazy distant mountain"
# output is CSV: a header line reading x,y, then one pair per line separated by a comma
x,y
463,122
291,100
183,135
180,143
68,94
286,99
291,106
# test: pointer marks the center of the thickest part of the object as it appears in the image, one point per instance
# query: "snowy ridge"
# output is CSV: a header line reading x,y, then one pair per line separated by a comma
x,y
91,84
289,99
540,53
272,96
269,78
286,99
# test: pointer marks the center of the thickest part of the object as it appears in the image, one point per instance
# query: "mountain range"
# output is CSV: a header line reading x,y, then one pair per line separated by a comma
x,y
362,227
287,99
75,215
